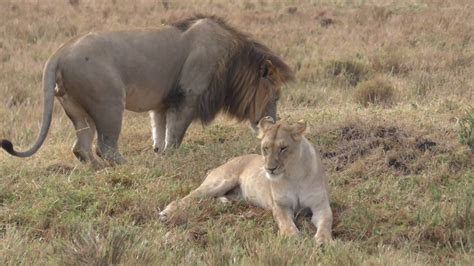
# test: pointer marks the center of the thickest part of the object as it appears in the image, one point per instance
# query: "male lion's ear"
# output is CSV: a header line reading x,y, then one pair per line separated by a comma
x,y
263,125
267,69
299,129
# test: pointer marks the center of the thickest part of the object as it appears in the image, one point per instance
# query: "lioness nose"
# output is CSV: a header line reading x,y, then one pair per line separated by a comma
x,y
271,169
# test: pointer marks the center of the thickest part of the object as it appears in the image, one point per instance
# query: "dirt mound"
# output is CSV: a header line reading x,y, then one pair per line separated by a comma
x,y
389,148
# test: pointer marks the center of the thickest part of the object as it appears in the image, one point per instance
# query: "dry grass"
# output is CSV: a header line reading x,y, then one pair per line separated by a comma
x,y
375,91
402,176
466,124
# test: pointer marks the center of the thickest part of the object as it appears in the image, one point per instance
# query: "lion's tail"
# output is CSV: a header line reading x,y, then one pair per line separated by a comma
x,y
49,83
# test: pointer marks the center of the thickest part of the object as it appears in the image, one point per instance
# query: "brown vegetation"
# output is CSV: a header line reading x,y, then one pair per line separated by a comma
x,y
375,91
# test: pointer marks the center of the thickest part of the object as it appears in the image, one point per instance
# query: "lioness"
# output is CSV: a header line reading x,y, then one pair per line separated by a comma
x,y
186,71
287,178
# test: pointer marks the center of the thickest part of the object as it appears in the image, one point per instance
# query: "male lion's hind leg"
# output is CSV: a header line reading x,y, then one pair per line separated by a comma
x,y
108,121
322,219
216,184
85,129
158,130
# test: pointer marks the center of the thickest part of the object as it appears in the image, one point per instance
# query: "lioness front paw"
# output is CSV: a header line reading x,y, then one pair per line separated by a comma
x,y
289,232
163,216
323,240
168,211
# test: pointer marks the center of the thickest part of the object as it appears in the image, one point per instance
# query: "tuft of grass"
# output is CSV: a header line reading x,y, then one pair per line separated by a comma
x,y
74,3
247,5
466,128
424,83
90,247
348,71
372,14
391,59
378,91
18,97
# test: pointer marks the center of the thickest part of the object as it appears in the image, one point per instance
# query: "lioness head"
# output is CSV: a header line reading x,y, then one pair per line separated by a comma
x,y
280,145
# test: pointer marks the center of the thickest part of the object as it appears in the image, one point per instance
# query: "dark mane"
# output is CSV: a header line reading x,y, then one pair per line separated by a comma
x,y
233,88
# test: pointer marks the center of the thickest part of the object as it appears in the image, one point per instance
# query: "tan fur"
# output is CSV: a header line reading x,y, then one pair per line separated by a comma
x,y
286,178
190,70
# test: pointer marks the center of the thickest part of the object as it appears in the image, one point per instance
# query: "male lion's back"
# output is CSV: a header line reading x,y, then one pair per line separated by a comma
x,y
142,64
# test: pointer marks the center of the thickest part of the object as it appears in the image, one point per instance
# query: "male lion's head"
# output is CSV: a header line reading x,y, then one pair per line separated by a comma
x,y
280,145
273,73
255,78
247,80
267,93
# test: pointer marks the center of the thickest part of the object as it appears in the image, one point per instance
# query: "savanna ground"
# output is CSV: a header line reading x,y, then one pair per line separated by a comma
x,y
387,87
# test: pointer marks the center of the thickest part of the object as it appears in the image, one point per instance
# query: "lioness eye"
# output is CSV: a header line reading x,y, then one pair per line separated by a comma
x,y
283,149
265,149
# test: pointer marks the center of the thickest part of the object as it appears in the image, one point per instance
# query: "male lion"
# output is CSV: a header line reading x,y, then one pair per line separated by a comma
x,y
287,178
186,71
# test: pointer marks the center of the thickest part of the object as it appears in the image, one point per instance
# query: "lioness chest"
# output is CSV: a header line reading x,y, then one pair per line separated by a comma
x,y
257,189
254,186
296,192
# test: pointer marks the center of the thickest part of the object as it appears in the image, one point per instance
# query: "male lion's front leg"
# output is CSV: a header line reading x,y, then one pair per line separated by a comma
x,y
158,130
284,218
322,219
177,122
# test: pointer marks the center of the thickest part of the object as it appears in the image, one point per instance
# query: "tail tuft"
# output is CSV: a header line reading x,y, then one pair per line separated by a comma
x,y
7,145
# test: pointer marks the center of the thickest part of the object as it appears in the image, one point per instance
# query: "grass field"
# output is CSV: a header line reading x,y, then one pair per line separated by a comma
x,y
388,91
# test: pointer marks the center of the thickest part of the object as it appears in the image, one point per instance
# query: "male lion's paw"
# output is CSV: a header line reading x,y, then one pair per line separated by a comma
x,y
159,150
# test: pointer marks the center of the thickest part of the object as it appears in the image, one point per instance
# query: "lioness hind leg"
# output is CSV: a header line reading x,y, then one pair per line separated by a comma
x,y
85,129
234,194
216,184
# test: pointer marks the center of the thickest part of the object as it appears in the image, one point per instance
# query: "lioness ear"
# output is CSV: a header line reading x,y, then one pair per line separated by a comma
x,y
299,129
267,69
263,125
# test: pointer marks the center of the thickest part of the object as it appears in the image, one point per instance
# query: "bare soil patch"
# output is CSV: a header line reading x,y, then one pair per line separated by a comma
x,y
391,148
